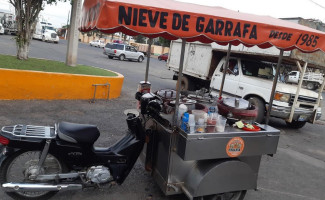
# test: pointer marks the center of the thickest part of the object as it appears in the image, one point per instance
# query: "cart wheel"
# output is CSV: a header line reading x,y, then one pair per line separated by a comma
x,y
238,195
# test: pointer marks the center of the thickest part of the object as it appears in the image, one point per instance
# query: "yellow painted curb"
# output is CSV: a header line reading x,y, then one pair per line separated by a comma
x,y
23,84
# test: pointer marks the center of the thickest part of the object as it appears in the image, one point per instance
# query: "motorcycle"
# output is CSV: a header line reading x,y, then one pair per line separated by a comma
x,y
38,161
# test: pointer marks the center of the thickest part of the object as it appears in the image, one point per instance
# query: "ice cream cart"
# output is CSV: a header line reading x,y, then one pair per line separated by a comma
x,y
215,165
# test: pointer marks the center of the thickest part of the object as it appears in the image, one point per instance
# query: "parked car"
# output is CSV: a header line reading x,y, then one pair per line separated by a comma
x,y
2,30
122,52
163,57
97,43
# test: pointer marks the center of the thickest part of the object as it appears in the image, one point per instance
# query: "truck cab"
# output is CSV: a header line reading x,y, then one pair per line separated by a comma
x,y
252,80
46,32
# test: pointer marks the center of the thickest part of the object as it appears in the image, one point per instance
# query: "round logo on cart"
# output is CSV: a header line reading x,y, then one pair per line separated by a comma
x,y
235,147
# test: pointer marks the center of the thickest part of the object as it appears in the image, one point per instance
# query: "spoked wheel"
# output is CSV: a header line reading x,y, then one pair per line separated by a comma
x,y
238,195
20,166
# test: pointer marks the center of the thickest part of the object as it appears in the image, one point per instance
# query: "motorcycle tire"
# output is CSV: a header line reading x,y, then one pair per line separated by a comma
x,y
12,171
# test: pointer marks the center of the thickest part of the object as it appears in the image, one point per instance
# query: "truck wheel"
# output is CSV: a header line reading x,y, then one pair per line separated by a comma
x,y
110,57
238,195
140,59
259,104
122,57
295,124
186,84
310,86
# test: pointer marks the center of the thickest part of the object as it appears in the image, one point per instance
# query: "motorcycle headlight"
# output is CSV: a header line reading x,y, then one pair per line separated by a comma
x,y
282,97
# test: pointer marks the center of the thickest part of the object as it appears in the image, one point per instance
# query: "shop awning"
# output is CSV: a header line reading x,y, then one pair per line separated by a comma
x,y
173,20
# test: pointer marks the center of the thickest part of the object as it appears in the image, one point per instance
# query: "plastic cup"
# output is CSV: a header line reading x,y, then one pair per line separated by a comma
x,y
212,122
221,123
198,114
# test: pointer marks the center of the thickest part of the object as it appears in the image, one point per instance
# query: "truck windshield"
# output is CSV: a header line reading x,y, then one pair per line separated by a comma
x,y
257,69
50,28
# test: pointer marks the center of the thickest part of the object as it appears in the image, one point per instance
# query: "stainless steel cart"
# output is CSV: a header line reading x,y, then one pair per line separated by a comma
x,y
203,164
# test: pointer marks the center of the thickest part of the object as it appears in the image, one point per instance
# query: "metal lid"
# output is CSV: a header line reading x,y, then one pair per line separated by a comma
x,y
185,101
236,103
167,93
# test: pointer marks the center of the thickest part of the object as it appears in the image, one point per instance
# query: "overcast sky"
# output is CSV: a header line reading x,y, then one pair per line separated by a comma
x,y
315,9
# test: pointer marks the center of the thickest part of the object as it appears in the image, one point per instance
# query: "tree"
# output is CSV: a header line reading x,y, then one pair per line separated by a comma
x,y
140,39
27,12
164,42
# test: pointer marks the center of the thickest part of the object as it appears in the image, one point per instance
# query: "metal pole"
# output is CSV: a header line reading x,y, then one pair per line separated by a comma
x,y
224,71
302,73
66,30
148,59
319,96
180,76
275,81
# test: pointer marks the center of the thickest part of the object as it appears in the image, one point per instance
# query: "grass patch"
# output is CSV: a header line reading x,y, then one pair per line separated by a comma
x,y
11,62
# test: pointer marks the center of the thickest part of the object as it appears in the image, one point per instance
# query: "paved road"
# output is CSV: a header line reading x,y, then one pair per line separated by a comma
x,y
296,172
87,55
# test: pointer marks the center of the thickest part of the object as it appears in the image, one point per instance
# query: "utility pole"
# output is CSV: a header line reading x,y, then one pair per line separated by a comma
x,y
73,39
66,29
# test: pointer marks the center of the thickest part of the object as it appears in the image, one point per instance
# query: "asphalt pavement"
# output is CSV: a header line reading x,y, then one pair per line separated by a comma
x,y
296,172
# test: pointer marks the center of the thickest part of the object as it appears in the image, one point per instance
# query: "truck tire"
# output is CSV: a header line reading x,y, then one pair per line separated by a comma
x,y
186,84
110,57
260,105
295,124
121,57
310,86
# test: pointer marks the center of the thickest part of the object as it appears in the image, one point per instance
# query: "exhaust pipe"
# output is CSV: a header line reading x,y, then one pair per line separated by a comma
x,y
29,187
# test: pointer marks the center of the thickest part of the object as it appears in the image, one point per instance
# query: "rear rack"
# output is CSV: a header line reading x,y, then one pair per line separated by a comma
x,y
31,131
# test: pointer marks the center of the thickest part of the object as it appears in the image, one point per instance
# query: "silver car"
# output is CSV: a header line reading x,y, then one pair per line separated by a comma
x,y
97,43
122,52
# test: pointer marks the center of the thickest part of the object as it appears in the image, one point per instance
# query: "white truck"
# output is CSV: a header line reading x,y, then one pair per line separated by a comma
x,y
250,76
2,29
311,80
46,32
8,22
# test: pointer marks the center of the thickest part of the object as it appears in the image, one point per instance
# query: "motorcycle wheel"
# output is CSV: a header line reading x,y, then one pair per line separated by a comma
x,y
238,195
19,166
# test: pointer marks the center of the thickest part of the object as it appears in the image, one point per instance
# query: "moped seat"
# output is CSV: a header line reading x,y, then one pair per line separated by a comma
x,y
78,133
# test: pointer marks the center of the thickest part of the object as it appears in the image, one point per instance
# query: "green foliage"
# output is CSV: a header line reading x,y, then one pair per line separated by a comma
x,y
27,12
140,39
164,42
10,62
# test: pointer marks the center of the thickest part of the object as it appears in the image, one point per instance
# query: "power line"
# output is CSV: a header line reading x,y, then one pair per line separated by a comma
x,y
317,4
